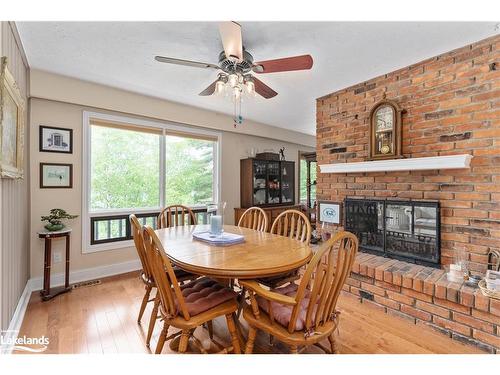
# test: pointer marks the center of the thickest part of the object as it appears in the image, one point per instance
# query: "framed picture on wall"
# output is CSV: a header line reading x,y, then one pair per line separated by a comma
x,y
329,212
12,111
54,139
55,175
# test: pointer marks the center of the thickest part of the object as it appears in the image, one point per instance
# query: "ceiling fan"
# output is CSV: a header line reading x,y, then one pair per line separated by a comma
x,y
236,66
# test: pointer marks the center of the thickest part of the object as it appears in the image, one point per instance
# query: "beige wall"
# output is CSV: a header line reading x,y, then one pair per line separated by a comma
x,y
234,148
14,195
46,85
56,113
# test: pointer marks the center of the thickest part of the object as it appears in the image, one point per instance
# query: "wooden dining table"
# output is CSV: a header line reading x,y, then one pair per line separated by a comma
x,y
262,254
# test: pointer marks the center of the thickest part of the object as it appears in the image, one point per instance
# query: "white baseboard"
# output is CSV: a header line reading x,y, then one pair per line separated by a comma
x,y
17,320
36,283
87,274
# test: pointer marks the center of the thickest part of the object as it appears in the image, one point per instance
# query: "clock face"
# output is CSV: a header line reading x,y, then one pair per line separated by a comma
x,y
384,118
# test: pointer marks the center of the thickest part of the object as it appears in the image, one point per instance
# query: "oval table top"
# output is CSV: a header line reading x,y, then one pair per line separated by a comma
x,y
261,255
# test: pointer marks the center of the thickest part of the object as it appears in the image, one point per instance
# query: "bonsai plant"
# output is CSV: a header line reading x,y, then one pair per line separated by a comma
x,y
57,215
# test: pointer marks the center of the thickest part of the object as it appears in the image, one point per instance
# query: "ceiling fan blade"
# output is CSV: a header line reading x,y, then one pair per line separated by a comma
x,y
209,90
263,90
230,33
287,64
195,64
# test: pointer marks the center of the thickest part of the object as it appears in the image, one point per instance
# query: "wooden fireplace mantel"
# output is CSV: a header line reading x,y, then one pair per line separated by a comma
x,y
410,164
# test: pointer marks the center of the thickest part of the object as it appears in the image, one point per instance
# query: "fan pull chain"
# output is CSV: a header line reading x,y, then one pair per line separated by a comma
x,y
238,119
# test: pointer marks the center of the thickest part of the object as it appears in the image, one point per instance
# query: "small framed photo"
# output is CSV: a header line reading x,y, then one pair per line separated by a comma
x,y
56,139
54,175
329,212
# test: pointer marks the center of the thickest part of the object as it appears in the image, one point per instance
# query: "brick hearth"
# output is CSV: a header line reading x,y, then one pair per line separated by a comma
x,y
423,295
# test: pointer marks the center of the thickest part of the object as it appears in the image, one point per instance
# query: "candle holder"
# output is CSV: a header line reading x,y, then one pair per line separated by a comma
x,y
458,271
217,220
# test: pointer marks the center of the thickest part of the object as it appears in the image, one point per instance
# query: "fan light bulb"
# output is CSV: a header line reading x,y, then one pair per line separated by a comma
x,y
219,87
232,80
250,86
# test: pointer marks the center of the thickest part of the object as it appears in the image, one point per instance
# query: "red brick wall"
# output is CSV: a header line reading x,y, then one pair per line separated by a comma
x,y
452,106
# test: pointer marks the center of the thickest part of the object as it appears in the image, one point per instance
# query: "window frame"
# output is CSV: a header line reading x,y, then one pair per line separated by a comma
x,y
303,156
166,128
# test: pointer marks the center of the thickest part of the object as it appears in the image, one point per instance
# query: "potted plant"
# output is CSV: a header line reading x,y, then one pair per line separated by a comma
x,y
54,220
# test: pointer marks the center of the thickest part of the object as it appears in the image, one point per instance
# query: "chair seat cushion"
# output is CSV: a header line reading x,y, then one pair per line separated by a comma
x,y
203,294
283,313
181,275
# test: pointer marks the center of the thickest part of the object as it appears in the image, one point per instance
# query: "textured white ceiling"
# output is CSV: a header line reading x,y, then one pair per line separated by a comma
x,y
120,54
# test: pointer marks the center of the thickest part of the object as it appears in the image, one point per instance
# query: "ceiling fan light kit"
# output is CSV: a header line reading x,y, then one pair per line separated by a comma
x,y
236,65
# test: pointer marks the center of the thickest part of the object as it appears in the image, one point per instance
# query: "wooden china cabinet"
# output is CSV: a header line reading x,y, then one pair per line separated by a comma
x,y
269,184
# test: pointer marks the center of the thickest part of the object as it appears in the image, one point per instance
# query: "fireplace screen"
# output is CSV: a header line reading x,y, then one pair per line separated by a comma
x,y
403,230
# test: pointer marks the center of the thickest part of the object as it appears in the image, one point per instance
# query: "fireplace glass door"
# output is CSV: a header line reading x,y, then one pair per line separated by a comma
x,y
405,230
366,219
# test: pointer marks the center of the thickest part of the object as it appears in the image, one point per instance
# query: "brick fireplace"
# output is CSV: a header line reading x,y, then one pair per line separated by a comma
x,y
451,106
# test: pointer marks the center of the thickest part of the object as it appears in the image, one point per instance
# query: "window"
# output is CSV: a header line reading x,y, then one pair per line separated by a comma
x,y
137,166
303,180
124,168
314,169
189,170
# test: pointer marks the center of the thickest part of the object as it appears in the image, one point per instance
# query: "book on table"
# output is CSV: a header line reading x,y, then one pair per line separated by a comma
x,y
222,239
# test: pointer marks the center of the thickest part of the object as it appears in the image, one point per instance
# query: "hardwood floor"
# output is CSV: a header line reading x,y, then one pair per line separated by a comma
x,y
102,319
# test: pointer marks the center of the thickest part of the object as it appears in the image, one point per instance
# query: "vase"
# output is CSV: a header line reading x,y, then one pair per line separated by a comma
x,y
54,227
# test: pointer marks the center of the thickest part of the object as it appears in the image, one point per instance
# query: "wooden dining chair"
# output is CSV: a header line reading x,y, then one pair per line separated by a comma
x,y
147,276
176,215
293,224
188,306
304,314
173,216
254,218
179,215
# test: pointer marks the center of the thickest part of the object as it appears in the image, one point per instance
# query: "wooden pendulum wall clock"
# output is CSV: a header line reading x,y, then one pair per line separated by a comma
x,y
385,130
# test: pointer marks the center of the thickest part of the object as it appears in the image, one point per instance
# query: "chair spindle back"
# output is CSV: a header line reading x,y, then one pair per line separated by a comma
x,y
175,215
139,246
172,300
325,275
293,224
254,218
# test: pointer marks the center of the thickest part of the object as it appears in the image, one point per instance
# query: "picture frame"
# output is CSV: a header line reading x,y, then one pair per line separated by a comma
x,y
329,212
56,176
54,139
12,125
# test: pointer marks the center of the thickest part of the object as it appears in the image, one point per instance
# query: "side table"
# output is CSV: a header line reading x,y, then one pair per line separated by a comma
x,y
48,236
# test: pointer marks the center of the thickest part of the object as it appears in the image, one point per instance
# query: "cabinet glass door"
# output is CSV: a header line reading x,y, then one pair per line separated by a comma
x,y
259,182
273,182
287,182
